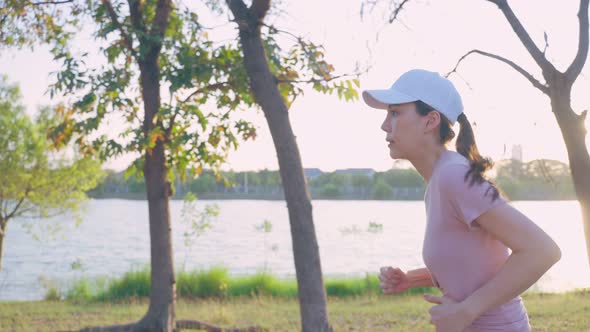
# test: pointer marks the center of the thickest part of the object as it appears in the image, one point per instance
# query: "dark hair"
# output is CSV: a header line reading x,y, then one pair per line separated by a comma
x,y
465,145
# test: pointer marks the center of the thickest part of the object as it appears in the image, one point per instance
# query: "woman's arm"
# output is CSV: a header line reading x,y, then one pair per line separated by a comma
x,y
394,280
420,278
533,253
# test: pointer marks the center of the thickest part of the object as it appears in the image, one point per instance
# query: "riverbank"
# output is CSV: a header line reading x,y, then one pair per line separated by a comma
x,y
548,312
415,196
412,196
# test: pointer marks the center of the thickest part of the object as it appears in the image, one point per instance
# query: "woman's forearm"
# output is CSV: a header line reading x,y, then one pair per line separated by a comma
x,y
521,270
420,278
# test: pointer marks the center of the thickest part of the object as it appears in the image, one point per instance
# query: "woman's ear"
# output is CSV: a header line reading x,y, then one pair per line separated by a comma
x,y
432,121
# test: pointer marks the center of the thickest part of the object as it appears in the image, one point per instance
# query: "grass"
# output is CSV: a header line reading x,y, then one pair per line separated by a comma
x,y
202,284
213,296
409,312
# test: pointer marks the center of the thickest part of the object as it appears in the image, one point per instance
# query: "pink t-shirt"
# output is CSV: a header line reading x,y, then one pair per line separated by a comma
x,y
459,254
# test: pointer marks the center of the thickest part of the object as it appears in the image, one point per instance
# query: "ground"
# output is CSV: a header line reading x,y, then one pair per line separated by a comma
x,y
547,312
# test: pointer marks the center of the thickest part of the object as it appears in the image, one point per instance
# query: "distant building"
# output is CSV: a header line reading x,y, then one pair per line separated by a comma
x,y
517,152
517,160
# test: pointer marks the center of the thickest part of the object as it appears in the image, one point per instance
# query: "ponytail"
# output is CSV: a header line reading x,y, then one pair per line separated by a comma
x,y
466,146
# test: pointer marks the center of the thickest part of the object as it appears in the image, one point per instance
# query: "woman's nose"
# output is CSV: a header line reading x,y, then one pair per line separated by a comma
x,y
385,126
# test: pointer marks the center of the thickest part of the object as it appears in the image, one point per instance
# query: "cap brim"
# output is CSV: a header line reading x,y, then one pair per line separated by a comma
x,y
382,98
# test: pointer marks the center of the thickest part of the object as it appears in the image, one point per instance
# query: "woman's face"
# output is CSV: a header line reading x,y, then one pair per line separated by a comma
x,y
404,128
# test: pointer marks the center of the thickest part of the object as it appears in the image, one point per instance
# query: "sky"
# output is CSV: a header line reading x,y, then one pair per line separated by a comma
x,y
334,134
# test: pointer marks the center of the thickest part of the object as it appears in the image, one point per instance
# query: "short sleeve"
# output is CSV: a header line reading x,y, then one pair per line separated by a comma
x,y
468,200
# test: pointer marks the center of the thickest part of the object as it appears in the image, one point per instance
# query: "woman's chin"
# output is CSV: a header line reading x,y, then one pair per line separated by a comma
x,y
395,154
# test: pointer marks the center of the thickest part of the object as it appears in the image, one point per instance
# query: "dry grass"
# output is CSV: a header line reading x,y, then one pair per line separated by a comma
x,y
548,312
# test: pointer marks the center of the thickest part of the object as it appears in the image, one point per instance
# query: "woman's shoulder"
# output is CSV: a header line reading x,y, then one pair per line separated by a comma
x,y
453,178
454,167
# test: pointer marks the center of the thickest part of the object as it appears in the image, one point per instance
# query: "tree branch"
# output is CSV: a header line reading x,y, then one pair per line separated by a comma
x,y
135,10
56,212
126,38
576,67
238,8
546,42
516,67
396,11
523,35
259,8
16,207
168,130
160,22
27,191
272,27
58,2
315,80
22,212
205,89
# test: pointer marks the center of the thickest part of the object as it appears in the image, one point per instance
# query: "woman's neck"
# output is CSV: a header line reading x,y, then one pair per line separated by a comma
x,y
425,163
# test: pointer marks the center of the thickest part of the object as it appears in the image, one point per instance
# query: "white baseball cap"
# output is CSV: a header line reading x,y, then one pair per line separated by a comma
x,y
419,84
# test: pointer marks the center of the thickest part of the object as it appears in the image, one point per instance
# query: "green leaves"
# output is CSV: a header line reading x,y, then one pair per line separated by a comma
x,y
23,24
198,221
193,70
43,186
70,78
86,102
246,129
304,63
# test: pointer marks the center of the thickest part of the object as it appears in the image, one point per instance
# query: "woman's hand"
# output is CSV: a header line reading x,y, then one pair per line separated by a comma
x,y
448,315
393,280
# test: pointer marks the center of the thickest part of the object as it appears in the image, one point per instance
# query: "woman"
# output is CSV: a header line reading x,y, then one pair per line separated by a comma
x,y
470,226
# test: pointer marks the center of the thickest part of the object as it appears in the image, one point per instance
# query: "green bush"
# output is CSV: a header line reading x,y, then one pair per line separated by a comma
x,y
212,283
135,283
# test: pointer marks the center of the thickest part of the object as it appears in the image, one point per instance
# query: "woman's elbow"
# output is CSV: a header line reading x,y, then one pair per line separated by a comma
x,y
555,253
549,249
551,253
547,253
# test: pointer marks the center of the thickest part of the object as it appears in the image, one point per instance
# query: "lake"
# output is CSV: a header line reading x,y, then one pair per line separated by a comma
x,y
114,238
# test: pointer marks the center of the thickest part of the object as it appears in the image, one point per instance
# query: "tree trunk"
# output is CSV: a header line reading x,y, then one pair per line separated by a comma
x,y
574,134
160,315
311,291
3,224
558,87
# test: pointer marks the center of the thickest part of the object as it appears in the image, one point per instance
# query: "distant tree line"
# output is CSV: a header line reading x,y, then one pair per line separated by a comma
x,y
540,179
